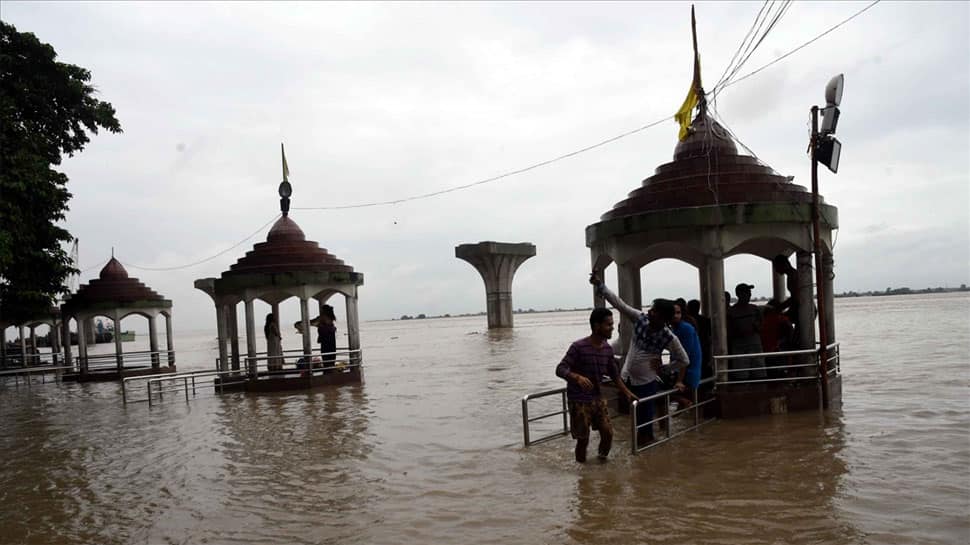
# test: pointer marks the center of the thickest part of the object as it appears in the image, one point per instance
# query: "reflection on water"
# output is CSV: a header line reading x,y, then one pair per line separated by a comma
x,y
428,450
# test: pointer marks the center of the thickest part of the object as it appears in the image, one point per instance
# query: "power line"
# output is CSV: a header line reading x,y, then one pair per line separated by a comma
x,y
737,51
793,51
493,178
210,258
718,88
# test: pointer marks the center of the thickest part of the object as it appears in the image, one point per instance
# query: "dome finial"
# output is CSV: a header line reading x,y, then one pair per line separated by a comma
x,y
285,188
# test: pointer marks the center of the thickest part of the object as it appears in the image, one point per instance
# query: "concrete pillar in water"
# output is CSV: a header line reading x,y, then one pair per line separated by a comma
x,y
718,312
497,263
353,328
153,342
250,339
119,351
806,309
89,331
169,343
629,290
233,321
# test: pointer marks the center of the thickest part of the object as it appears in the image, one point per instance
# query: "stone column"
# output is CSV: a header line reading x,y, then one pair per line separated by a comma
x,y
169,342
779,288
222,334
233,320
705,289
119,351
66,327
33,345
718,313
3,345
497,263
153,341
82,344
353,327
23,346
250,339
89,331
55,342
305,322
628,289
806,309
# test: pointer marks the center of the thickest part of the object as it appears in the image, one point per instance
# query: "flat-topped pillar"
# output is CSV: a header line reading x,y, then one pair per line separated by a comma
x,y
497,263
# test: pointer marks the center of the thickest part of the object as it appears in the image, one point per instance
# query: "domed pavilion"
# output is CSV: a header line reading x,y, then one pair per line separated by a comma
x,y
712,202
285,265
115,295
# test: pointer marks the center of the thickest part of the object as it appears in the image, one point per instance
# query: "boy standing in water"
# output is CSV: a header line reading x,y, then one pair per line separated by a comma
x,y
585,362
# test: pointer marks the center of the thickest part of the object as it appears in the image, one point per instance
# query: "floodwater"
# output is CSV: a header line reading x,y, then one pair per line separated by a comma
x,y
429,450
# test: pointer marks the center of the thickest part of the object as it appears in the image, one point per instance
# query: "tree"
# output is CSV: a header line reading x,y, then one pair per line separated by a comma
x,y
47,109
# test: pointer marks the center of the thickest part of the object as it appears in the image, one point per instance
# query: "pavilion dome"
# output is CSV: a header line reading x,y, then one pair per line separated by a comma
x,y
287,250
113,285
707,170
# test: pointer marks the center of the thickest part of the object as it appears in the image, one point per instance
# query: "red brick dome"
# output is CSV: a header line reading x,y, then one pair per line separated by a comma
x,y
707,170
112,285
287,250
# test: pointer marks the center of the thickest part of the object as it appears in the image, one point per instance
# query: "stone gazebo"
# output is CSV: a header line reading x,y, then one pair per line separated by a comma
x,y
710,203
286,265
115,295
29,354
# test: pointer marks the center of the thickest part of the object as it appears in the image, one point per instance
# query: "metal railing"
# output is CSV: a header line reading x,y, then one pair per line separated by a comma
x,y
833,356
667,416
27,372
98,362
527,420
298,362
190,382
128,382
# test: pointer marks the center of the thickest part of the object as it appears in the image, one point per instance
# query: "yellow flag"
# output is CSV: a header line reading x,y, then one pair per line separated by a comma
x,y
686,112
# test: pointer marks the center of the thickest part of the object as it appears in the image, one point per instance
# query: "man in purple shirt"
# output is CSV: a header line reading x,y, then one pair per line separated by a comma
x,y
586,361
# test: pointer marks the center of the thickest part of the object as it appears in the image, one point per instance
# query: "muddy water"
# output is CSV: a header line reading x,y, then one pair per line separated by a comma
x,y
428,450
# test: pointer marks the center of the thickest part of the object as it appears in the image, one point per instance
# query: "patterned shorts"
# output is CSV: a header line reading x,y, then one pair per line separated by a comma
x,y
583,415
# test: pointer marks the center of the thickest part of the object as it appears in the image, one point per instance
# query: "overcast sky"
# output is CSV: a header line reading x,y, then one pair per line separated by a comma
x,y
380,101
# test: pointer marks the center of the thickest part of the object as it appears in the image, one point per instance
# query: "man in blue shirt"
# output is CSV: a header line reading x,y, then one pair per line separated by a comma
x,y
690,376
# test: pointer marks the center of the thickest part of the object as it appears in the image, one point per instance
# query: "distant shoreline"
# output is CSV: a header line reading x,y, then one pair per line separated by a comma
x,y
887,292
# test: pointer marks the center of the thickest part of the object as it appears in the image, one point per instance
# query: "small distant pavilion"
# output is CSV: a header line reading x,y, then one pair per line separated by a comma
x,y
710,203
286,265
31,355
115,295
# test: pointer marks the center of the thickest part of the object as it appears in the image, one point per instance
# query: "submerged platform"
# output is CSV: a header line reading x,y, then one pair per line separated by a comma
x,y
112,374
746,400
291,380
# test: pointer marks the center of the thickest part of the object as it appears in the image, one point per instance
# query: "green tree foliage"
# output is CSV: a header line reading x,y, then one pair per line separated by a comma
x,y
47,109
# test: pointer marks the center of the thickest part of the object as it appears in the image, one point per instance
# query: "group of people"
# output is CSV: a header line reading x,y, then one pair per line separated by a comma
x,y
770,328
326,327
667,325
677,327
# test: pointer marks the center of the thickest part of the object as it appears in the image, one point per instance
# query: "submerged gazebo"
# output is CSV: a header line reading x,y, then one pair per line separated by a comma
x,y
709,203
286,265
28,352
115,295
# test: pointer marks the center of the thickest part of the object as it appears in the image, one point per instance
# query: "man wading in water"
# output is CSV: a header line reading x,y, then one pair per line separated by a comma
x,y
585,362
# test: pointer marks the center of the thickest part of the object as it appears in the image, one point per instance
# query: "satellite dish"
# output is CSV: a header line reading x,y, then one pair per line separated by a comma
x,y
833,91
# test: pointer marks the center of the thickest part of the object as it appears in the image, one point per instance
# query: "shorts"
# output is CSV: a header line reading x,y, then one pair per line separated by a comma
x,y
586,414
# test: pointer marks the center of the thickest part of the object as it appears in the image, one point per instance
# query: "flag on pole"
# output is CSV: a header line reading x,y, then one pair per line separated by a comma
x,y
286,168
685,114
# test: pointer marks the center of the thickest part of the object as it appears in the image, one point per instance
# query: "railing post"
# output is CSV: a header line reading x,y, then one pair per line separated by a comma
x,y
124,393
148,386
633,425
525,420
185,383
565,414
193,385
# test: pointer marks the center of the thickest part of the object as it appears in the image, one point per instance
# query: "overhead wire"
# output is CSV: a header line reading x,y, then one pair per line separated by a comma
x,y
723,84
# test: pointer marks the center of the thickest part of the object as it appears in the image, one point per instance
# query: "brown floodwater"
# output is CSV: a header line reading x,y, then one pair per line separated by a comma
x,y
429,450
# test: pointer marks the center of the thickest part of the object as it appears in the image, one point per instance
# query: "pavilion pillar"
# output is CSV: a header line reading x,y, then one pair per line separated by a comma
x,y
628,289
305,322
82,344
221,334
779,287
55,341
250,339
705,289
3,345
806,308
276,315
153,341
119,351
718,312
23,346
233,321
89,331
66,333
33,344
169,342
353,328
